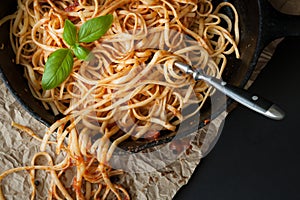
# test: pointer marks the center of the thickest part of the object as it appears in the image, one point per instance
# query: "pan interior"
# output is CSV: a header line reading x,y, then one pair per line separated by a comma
x,y
237,71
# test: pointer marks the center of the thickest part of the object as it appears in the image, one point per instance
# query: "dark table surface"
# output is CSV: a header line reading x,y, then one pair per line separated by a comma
x,y
257,158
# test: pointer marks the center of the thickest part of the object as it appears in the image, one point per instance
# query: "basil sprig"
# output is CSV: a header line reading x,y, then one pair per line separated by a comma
x,y
60,63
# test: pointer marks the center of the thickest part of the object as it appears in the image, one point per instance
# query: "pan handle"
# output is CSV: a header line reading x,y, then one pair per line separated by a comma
x,y
275,24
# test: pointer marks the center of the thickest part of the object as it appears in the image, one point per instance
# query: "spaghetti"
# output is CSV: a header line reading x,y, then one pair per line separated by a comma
x,y
129,86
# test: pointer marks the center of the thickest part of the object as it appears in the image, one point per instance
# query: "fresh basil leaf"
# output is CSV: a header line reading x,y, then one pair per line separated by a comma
x,y
94,28
57,69
81,52
70,33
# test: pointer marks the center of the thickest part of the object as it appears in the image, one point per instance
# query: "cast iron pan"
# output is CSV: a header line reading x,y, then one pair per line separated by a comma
x,y
259,23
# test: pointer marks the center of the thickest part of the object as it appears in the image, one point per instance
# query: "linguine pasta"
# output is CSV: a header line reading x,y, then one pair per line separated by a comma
x,y
130,89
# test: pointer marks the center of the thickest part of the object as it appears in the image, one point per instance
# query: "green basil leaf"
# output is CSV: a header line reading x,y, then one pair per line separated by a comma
x,y
94,28
70,33
57,69
81,52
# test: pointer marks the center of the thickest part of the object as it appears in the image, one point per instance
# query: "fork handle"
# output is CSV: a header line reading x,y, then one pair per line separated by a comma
x,y
252,101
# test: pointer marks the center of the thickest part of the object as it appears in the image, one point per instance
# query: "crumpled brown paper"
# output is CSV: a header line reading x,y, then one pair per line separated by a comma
x,y
17,149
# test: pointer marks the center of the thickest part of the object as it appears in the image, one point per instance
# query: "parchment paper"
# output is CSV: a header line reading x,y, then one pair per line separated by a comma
x,y
17,148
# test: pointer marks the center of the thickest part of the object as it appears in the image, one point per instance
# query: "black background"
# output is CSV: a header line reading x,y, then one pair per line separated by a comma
x,y
256,157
